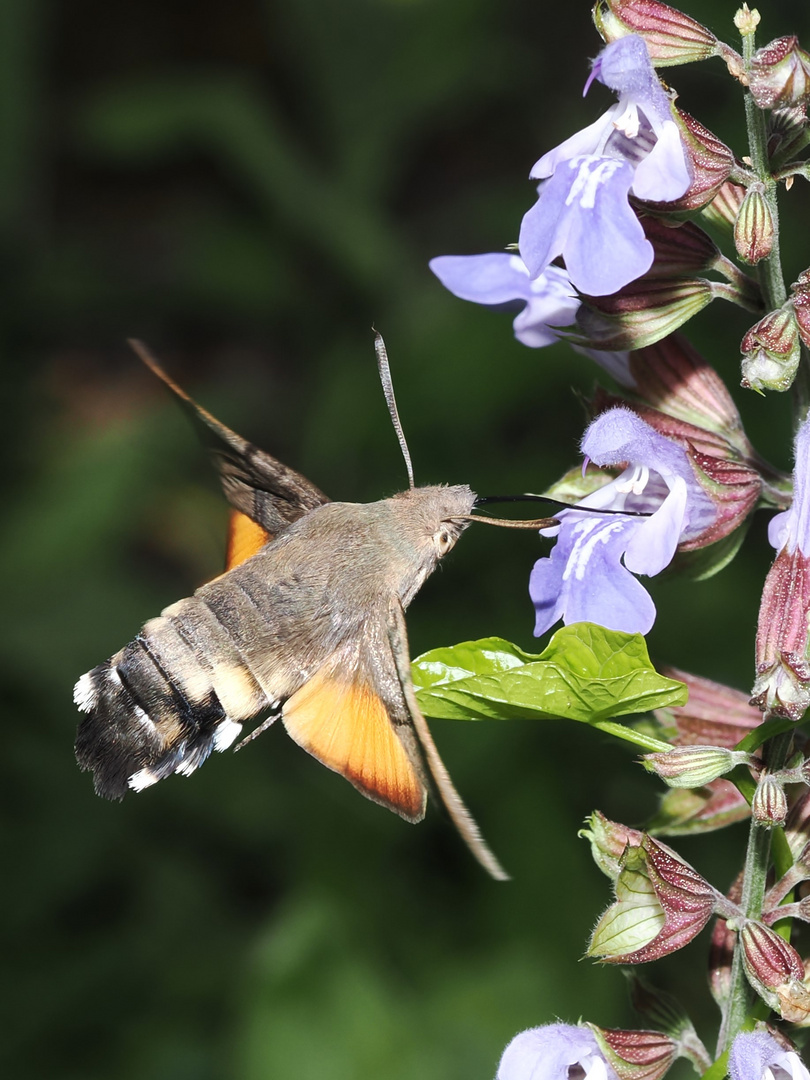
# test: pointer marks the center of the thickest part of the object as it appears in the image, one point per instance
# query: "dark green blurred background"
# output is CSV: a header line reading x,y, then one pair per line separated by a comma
x,y
248,186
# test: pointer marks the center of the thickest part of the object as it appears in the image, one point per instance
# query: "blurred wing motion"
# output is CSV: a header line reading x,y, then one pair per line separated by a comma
x,y
265,494
183,687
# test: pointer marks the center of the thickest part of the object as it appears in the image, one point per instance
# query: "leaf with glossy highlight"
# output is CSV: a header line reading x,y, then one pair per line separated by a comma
x,y
586,673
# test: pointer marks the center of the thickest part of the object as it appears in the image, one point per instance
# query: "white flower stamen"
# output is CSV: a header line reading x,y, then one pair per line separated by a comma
x,y
635,481
628,123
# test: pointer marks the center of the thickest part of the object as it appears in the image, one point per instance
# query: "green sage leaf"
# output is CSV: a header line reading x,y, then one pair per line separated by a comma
x,y
586,673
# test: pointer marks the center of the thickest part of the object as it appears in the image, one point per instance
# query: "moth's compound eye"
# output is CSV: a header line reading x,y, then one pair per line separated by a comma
x,y
444,540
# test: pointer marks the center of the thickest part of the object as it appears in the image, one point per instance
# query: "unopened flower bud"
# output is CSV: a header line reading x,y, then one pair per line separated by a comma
x,y
754,229
769,806
775,970
800,300
780,74
782,685
771,351
636,1055
746,20
670,36
641,313
722,211
661,904
693,766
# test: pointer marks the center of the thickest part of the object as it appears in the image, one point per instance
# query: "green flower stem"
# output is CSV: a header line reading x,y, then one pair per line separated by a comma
x,y
771,277
770,269
746,286
621,731
757,861
735,296
741,996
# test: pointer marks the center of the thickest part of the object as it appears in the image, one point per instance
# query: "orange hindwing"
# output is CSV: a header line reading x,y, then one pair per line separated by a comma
x,y
345,725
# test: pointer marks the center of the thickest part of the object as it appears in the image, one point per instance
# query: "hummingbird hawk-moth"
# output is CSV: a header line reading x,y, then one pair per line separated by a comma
x,y
306,623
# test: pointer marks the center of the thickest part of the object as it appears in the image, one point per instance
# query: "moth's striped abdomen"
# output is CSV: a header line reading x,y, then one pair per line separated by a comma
x,y
161,705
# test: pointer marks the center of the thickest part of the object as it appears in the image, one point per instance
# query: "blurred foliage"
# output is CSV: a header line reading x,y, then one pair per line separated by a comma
x,y
248,186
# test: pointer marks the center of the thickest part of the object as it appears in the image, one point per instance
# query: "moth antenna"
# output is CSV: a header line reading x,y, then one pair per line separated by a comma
x,y
391,401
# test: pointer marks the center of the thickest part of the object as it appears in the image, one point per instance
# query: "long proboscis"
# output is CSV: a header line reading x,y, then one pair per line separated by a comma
x,y
537,523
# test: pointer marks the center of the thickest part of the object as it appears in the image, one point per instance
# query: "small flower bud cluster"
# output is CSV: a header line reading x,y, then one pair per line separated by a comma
x,y
771,352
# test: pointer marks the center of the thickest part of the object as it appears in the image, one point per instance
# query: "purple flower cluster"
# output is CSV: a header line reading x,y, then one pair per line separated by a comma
x,y
582,213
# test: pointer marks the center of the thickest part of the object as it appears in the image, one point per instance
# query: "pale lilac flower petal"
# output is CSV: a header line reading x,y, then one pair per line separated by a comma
x,y
791,528
498,278
583,214
589,574
779,530
756,1055
653,547
551,1053
494,278
586,142
583,580
663,174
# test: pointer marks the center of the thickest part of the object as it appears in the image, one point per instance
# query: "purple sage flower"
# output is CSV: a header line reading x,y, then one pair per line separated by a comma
x,y
583,212
756,1055
552,1052
499,279
589,575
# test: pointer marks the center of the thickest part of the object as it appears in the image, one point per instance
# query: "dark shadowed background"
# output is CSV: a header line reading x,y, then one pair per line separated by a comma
x,y
248,186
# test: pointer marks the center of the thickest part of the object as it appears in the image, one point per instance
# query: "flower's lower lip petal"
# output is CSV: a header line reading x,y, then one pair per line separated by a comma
x,y
612,598
493,278
654,542
583,579
606,247
546,590
544,228
534,325
663,175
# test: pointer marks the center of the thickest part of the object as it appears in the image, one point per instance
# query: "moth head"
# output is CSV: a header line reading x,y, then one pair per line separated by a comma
x,y
437,515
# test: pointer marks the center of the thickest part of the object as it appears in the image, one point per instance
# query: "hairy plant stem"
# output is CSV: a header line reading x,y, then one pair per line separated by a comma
x,y
771,277
741,1000
757,861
